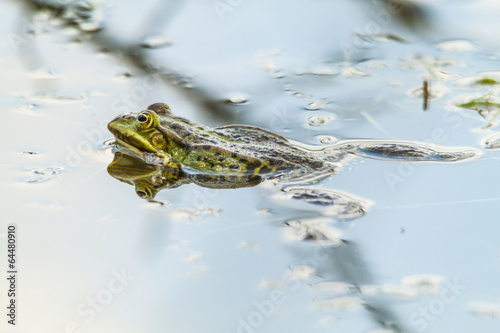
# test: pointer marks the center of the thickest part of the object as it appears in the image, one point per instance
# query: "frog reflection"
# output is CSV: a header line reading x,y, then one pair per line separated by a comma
x,y
149,179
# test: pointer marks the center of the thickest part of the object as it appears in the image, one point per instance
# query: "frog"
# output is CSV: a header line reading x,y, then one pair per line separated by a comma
x,y
158,136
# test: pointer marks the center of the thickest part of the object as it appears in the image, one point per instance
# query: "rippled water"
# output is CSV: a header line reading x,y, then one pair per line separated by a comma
x,y
381,246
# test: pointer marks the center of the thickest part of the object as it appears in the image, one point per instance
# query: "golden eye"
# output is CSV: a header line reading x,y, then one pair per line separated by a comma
x,y
143,121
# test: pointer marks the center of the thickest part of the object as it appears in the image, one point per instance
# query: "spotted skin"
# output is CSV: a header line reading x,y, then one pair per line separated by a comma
x,y
233,150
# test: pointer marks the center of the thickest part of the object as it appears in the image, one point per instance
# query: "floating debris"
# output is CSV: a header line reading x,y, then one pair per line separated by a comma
x,y
317,230
435,91
320,120
272,284
485,79
123,76
247,245
88,15
44,174
61,97
352,72
302,95
326,139
324,71
492,142
334,203
30,152
29,108
198,270
302,272
194,255
399,291
380,37
237,98
43,73
483,105
425,96
490,310
156,41
337,287
314,106
183,213
425,282
340,303
456,46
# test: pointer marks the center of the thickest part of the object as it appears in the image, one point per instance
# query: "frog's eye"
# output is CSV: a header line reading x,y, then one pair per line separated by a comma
x,y
144,120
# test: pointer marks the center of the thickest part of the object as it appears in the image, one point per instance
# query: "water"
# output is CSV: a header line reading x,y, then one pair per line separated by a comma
x,y
423,255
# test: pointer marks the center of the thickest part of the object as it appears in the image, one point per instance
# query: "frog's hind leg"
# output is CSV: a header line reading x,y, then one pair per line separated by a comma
x,y
404,151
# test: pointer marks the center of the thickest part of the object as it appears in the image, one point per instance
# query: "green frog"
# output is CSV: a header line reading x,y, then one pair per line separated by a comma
x,y
158,136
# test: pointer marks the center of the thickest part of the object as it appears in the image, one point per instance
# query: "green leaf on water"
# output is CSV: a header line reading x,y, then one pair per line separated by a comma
x,y
486,82
477,103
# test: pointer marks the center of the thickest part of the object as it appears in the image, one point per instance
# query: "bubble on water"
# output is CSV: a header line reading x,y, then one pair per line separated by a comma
x,y
456,46
237,98
156,41
352,72
320,120
313,106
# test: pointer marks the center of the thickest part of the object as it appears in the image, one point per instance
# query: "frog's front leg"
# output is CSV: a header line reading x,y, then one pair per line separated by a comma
x,y
157,158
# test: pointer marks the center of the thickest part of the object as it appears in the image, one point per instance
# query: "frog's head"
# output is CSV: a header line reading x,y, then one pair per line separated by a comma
x,y
139,132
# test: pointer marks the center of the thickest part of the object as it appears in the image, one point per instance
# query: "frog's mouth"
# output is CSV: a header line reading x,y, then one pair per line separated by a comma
x,y
127,137
134,143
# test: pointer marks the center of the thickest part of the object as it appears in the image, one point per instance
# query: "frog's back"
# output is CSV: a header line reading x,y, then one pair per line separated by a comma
x,y
238,149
